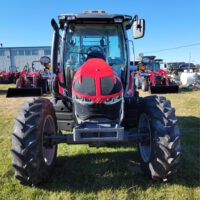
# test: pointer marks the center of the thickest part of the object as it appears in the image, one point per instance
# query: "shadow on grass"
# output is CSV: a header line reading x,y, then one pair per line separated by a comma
x,y
114,170
94,172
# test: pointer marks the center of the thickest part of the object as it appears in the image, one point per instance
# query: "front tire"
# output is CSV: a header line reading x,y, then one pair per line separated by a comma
x,y
33,157
160,151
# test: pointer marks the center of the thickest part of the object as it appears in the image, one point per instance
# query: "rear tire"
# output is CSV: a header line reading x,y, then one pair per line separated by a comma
x,y
160,153
33,159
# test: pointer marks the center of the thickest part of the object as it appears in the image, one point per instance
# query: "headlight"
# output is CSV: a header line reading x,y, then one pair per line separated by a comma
x,y
82,100
113,100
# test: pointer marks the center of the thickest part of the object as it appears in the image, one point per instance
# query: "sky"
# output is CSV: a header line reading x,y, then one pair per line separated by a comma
x,y
170,24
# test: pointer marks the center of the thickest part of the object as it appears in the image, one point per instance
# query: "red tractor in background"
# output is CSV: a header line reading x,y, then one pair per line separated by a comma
x,y
32,82
8,76
95,100
150,77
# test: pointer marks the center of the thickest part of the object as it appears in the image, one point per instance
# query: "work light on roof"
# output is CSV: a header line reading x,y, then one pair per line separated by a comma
x,y
118,20
95,12
72,17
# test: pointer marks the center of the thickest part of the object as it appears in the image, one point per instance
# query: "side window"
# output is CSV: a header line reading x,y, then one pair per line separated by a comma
x,y
27,52
114,47
35,52
14,52
47,52
21,52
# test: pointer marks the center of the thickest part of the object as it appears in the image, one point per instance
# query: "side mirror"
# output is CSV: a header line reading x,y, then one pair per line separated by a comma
x,y
138,27
45,60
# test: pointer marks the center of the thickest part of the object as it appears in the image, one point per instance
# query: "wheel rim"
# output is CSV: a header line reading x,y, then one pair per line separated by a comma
x,y
48,129
145,146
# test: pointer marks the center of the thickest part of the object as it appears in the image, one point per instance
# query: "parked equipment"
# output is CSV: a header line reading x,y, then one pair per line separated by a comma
x,y
8,76
154,79
31,82
94,97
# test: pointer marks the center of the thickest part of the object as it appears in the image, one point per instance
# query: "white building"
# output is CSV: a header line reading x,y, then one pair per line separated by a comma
x,y
12,57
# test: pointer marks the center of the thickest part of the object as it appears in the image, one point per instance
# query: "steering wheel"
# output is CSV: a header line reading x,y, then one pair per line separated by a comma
x,y
95,52
95,48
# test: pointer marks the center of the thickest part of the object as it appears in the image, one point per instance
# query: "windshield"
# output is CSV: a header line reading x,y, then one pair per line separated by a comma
x,y
107,40
153,66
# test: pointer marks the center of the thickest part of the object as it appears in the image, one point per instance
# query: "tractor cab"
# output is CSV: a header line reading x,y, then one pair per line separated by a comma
x,y
92,35
104,41
150,63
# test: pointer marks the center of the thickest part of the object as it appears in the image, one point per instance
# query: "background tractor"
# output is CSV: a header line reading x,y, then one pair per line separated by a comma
x,y
150,77
32,82
95,100
8,76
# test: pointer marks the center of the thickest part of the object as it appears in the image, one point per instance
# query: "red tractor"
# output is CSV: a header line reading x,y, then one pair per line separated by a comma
x,y
94,97
6,77
152,78
32,82
9,76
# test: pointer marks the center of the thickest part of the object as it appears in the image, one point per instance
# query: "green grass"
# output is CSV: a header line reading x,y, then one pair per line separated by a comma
x,y
82,172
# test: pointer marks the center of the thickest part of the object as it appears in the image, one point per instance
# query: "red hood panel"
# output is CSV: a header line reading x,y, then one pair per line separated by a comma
x,y
96,68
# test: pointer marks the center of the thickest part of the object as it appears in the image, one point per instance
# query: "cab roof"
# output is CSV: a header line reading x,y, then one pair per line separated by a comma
x,y
95,16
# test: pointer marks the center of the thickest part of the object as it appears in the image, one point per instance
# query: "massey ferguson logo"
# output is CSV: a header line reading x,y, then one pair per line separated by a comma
x,y
98,100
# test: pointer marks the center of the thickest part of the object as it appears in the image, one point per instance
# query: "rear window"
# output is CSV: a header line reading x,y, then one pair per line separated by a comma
x,y
87,86
108,87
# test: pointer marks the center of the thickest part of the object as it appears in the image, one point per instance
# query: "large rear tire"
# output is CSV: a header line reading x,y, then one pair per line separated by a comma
x,y
33,158
160,151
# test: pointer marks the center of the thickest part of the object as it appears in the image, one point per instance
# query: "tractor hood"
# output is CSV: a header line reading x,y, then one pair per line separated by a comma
x,y
96,81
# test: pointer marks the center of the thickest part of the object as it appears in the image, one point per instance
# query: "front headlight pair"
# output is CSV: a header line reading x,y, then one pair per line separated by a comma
x,y
108,101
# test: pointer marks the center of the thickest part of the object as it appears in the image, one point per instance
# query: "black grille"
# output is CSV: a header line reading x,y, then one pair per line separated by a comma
x,y
86,87
108,87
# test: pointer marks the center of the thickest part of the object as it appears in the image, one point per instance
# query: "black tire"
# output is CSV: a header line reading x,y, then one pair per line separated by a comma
x,y
44,86
144,84
160,154
32,158
18,83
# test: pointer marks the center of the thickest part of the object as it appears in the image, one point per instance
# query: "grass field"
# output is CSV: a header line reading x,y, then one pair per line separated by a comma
x,y
106,173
